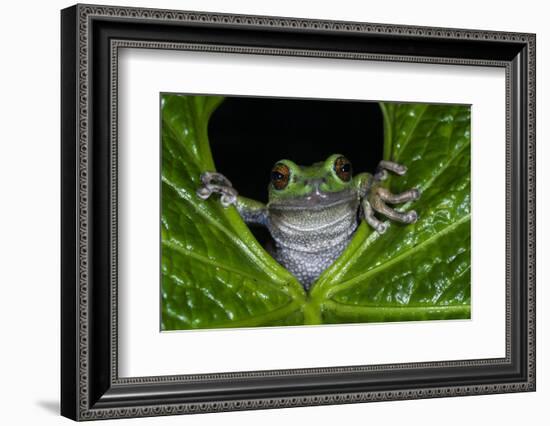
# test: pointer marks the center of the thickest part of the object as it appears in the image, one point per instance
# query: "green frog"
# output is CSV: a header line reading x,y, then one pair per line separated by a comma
x,y
313,211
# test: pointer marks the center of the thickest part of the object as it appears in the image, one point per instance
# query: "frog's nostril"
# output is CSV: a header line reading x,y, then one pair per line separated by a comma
x,y
316,182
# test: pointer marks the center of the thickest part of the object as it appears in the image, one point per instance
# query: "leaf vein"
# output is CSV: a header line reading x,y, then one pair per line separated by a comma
x,y
365,310
204,259
360,277
409,136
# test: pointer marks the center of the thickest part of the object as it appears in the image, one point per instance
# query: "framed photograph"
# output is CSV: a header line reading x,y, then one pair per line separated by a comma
x,y
263,212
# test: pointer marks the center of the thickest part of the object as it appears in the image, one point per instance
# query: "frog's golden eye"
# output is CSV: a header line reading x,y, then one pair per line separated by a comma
x,y
280,176
342,168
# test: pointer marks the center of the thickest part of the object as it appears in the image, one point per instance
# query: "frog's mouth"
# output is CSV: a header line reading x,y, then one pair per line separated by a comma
x,y
316,200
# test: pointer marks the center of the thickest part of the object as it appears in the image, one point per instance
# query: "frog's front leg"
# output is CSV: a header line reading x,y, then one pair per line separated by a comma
x,y
252,212
375,197
379,196
364,182
216,183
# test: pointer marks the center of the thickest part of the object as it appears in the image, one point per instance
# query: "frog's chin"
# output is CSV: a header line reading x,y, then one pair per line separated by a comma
x,y
316,200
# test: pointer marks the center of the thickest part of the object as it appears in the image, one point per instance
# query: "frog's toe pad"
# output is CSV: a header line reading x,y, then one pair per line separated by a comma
x,y
400,169
228,199
228,195
208,178
381,227
412,217
382,175
203,192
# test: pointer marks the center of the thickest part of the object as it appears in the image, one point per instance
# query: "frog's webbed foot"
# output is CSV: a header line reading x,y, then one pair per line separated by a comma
x,y
379,196
216,183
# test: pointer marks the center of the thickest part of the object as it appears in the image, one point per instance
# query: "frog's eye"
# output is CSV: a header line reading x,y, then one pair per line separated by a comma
x,y
342,168
280,175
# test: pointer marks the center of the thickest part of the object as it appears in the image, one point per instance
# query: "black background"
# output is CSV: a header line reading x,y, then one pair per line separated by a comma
x,y
249,135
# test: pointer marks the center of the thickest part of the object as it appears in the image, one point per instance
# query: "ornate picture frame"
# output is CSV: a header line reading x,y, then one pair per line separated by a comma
x,y
91,39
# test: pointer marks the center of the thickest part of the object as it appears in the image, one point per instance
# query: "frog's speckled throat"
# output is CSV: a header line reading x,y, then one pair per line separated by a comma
x,y
308,242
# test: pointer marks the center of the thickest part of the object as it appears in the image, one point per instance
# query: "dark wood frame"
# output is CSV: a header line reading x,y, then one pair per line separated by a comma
x,y
91,388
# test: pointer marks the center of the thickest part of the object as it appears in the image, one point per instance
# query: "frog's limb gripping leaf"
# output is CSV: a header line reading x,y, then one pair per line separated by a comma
x,y
377,197
371,219
381,207
216,183
380,195
253,212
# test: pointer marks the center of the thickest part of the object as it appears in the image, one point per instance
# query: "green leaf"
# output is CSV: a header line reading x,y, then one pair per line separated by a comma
x,y
214,273
419,271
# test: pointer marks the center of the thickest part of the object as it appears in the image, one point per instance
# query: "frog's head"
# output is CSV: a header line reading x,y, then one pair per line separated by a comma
x,y
316,186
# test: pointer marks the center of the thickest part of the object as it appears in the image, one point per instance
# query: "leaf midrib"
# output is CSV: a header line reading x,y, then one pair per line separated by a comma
x,y
258,320
362,309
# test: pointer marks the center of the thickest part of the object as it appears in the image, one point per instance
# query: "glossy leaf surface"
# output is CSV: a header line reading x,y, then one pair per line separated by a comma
x,y
419,271
215,274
